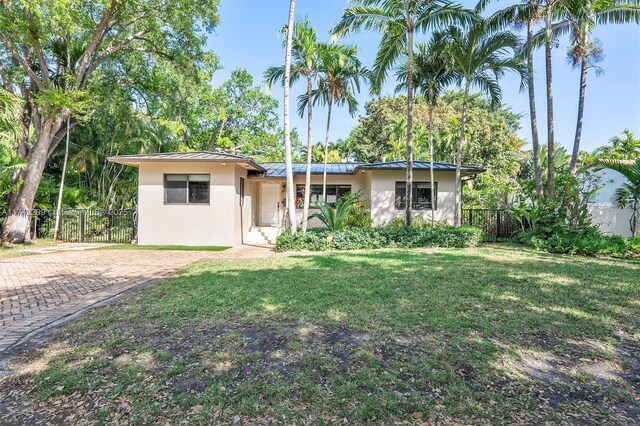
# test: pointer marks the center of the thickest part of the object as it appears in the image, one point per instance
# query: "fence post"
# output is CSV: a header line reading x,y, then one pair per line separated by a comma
x,y
82,213
110,215
498,225
470,217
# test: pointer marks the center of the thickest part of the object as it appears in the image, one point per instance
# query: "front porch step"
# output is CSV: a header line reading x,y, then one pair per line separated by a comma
x,y
262,235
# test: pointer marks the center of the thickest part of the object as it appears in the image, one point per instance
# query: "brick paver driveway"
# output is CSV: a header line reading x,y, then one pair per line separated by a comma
x,y
41,289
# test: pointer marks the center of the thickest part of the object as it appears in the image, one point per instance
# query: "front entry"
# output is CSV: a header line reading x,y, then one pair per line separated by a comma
x,y
270,204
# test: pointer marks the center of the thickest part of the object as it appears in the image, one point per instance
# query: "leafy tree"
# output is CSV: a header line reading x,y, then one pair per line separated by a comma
x,y
479,58
117,43
398,21
238,116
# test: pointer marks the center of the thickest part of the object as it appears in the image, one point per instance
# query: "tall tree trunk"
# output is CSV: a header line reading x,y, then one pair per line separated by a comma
x,y
457,220
326,148
307,180
576,142
61,189
537,169
291,192
551,171
433,194
16,225
409,194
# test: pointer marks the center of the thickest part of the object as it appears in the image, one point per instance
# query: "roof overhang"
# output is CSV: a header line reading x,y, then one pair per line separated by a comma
x,y
135,161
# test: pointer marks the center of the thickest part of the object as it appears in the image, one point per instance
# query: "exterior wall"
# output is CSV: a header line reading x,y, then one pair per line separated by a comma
x,y
611,220
383,190
357,182
215,224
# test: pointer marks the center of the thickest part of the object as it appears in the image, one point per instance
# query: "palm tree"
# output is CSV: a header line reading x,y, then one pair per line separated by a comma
x,y
342,73
398,21
291,193
548,46
629,193
527,13
580,17
479,58
432,76
304,64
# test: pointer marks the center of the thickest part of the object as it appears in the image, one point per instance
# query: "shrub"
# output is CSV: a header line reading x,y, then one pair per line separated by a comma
x,y
359,216
318,239
592,243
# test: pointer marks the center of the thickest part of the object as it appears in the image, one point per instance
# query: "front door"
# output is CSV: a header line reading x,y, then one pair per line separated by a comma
x,y
270,204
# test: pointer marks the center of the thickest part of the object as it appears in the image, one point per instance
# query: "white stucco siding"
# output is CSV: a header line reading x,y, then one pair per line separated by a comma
x,y
383,192
217,223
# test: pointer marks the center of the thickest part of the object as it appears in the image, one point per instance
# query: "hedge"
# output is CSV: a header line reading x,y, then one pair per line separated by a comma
x,y
567,242
319,239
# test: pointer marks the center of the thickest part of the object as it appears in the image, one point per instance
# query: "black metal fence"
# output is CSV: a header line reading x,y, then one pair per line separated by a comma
x,y
497,225
83,225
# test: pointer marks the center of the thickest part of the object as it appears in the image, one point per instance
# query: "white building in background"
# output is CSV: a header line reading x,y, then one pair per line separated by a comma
x,y
604,213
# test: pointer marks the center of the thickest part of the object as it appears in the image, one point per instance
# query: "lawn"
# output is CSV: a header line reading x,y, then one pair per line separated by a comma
x,y
475,336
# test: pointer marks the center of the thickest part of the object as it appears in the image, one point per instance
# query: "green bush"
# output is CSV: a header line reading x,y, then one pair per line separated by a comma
x,y
318,239
591,243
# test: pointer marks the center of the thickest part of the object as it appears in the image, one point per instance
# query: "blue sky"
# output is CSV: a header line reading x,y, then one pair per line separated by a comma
x,y
248,37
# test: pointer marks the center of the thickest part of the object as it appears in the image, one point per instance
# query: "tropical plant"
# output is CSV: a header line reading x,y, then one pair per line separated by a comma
x,y
628,195
479,57
341,75
305,63
336,218
579,19
621,147
398,21
432,76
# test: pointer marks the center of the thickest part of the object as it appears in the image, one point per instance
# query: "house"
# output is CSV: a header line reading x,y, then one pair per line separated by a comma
x,y
215,198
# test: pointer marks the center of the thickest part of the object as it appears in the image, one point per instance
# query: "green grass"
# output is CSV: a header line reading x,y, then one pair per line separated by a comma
x,y
151,247
489,335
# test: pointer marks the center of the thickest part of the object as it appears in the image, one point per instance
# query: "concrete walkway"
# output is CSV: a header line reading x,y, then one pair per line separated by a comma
x,y
38,290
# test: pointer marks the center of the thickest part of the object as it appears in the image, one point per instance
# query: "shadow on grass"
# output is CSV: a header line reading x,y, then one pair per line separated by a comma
x,y
481,335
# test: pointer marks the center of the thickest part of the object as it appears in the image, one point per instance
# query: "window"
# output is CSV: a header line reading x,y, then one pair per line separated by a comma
x,y
333,193
186,189
422,195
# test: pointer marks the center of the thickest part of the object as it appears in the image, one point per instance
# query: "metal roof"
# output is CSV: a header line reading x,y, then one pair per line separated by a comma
x,y
278,169
196,156
419,165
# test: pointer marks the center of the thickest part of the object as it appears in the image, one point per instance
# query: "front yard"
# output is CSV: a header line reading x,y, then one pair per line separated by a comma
x,y
447,336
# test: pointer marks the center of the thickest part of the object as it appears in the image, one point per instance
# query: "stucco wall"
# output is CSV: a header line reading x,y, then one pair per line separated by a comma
x,y
215,224
383,190
611,220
